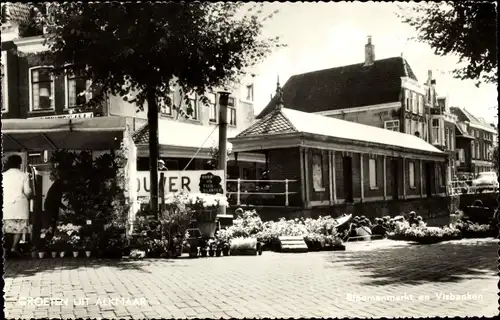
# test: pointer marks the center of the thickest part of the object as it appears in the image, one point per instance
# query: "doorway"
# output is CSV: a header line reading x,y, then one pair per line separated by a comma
x,y
395,178
347,175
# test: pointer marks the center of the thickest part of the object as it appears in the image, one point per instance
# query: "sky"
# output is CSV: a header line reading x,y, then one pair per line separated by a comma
x,y
326,35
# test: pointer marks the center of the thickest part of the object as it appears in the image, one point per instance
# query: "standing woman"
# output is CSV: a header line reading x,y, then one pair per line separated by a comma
x,y
16,195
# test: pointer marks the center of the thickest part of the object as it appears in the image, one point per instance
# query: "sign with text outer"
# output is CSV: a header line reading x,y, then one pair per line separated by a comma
x,y
190,181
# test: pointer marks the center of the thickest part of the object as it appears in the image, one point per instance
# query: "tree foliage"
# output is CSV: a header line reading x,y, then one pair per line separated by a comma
x,y
465,28
130,49
139,51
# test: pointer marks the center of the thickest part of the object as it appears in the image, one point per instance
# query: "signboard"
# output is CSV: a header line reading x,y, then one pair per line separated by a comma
x,y
68,116
191,181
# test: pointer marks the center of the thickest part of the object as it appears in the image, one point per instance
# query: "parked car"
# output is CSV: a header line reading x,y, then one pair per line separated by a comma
x,y
485,181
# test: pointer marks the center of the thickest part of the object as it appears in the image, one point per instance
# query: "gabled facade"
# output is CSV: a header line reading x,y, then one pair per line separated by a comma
x,y
475,151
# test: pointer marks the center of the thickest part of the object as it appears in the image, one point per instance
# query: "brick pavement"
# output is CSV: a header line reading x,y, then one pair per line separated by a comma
x,y
410,280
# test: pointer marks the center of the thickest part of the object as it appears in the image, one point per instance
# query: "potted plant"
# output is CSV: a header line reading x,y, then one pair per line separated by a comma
x,y
243,246
218,248
225,249
42,243
211,247
56,244
90,244
76,245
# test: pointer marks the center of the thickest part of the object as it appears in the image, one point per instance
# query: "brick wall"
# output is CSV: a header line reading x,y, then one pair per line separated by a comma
x,y
379,190
285,164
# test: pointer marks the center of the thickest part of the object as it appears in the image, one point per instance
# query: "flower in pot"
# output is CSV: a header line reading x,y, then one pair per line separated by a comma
x,y
89,244
211,247
225,249
218,248
76,244
56,244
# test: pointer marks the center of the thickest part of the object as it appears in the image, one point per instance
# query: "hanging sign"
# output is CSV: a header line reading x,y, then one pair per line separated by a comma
x,y
190,181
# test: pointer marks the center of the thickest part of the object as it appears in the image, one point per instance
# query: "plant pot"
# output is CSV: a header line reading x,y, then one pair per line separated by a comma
x,y
75,254
33,254
54,254
41,255
88,253
218,252
259,248
203,253
211,253
207,229
193,253
225,252
61,254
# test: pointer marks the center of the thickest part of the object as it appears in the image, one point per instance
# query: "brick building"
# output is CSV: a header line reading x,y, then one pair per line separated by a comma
x,y
338,161
475,143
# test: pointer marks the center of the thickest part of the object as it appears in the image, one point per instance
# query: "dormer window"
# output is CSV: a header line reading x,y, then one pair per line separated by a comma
x,y
249,93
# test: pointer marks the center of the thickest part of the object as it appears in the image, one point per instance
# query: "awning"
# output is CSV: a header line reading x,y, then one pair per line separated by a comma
x,y
100,133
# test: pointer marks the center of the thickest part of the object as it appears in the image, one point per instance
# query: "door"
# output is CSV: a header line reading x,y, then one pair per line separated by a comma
x,y
428,179
395,178
347,175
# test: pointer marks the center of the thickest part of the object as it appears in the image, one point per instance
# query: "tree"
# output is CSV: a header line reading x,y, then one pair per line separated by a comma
x,y
465,28
495,160
136,51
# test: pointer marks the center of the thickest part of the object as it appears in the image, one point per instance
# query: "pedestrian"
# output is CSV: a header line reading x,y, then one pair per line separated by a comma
x,y
162,166
379,229
16,195
54,202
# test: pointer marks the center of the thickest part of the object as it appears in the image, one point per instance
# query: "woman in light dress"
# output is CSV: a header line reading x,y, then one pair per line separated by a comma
x,y
16,195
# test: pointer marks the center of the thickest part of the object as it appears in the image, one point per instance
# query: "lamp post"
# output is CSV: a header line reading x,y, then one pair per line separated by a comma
x,y
222,163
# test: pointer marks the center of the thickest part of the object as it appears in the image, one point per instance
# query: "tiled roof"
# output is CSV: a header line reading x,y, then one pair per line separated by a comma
x,y
345,87
305,122
274,122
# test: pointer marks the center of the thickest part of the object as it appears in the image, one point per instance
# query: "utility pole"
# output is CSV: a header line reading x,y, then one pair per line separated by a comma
x,y
222,162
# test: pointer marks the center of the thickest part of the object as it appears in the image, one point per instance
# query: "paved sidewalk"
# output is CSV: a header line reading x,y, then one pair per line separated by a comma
x,y
378,279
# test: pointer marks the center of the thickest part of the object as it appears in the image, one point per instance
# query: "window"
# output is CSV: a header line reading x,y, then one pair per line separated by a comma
x,y
41,89
77,87
231,112
392,125
473,145
372,170
408,100
478,150
414,102
191,102
435,131
447,137
461,155
421,129
212,100
408,126
426,131
317,172
249,95
414,126
5,96
420,104
411,172
167,104
476,133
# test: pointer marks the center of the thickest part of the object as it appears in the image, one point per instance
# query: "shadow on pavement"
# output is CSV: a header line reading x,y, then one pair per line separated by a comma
x,y
28,267
451,261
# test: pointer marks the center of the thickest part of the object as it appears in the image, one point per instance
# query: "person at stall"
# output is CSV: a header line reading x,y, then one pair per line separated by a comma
x,y
16,195
54,202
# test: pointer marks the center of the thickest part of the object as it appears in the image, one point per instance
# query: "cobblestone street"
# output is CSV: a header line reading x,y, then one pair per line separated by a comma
x,y
456,278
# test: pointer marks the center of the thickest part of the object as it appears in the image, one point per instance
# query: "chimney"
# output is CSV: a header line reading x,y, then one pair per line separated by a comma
x,y
369,52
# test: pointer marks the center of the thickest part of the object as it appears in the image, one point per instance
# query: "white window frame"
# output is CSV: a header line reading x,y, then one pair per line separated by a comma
x,y
414,102
407,125
391,125
165,110
213,108
193,97
88,84
420,104
249,92
230,110
473,151
372,172
52,89
5,83
411,174
435,135
408,100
